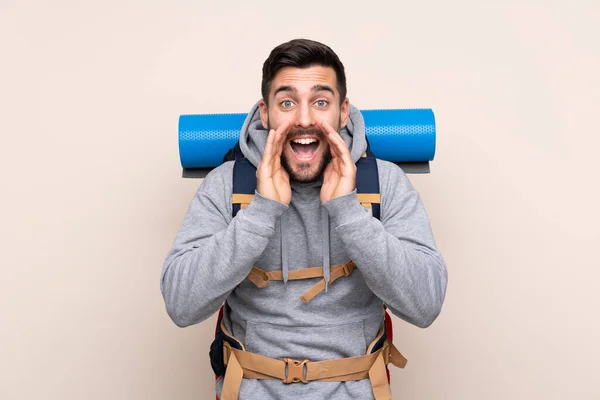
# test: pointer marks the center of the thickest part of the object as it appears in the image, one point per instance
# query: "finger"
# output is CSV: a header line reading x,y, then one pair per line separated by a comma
x,y
332,136
337,144
280,137
327,174
283,177
326,128
268,153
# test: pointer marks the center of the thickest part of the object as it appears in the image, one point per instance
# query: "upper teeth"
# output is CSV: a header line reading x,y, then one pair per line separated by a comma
x,y
305,141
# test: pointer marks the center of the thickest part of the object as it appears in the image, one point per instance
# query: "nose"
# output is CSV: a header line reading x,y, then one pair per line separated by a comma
x,y
304,118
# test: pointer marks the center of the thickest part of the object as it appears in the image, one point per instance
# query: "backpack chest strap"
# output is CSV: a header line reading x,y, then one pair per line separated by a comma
x,y
262,278
366,199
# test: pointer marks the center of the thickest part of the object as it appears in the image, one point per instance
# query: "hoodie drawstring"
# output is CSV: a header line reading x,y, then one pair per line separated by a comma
x,y
284,247
325,230
285,241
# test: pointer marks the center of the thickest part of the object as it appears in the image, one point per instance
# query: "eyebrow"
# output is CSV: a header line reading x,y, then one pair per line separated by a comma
x,y
315,88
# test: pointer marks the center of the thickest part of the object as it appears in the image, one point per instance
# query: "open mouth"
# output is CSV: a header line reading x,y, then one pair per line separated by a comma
x,y
304,148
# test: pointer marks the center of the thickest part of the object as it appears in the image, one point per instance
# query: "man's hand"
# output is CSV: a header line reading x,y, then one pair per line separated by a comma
x,y
272,180
339,178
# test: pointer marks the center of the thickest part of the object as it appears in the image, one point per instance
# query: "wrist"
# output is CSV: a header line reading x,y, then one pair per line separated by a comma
x,y
344,209
264,209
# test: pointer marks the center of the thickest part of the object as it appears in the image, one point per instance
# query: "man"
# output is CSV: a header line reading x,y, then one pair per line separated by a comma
x,y
304,138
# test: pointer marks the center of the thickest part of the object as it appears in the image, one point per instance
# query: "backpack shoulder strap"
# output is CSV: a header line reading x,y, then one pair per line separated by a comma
x,y
367,182
235,153
244,179
244,184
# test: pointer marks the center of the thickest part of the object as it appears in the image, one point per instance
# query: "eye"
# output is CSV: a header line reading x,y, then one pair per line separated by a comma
x,y
286,103
321,103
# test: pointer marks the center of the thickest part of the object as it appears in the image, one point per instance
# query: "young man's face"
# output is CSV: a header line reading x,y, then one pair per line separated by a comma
x,y
304,96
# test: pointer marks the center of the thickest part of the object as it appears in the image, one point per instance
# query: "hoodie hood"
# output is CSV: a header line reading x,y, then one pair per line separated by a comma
x,y
253,139
253,136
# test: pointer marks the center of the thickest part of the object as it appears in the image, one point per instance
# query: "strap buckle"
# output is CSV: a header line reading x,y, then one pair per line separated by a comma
x,y
259,277
295,371
347,268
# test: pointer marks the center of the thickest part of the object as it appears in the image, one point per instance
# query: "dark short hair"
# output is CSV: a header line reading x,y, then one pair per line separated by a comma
x,y
302,53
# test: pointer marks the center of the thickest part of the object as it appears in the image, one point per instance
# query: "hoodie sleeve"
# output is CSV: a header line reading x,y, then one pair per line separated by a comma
x,y
397,256
214,252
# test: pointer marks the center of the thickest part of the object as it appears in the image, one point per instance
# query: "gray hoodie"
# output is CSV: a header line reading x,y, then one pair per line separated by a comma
x,y
396,257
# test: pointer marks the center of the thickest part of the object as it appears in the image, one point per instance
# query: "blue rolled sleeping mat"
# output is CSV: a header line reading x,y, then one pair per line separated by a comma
x,y
403,136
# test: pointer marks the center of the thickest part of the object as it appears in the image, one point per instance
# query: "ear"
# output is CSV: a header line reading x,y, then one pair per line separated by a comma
x,y
264,113
344,113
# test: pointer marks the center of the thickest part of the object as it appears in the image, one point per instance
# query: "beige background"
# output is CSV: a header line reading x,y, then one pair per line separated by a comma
x,y
92,195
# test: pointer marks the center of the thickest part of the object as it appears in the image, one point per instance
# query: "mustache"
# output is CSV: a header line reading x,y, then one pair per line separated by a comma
x,y
297,132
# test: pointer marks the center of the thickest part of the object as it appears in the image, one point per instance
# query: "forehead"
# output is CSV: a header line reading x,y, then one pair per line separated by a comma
x,y
303,79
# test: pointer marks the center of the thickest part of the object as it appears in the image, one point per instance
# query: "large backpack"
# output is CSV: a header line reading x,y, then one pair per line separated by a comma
x,y
244,183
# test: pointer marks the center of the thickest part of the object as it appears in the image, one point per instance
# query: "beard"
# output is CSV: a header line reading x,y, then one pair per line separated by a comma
x,y
304,173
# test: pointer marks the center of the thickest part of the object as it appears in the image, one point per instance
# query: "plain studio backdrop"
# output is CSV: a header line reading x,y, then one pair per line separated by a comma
x,y
92,194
